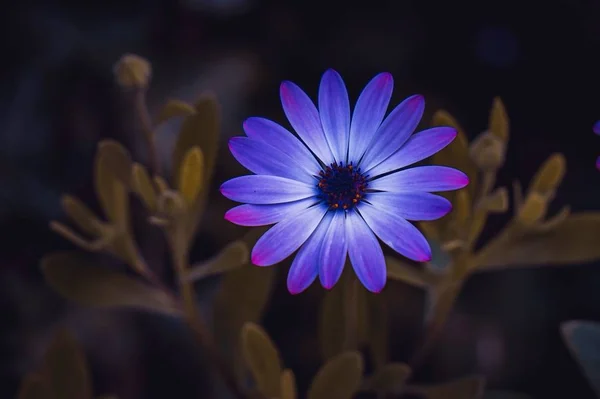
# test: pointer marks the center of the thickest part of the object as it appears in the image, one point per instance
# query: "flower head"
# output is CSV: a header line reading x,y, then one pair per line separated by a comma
x,y
340,184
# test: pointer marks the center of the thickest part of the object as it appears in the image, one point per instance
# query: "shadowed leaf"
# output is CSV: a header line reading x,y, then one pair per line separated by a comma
x,y
232,257
74,277
533,210
173,109
583,340
85,219
34,387
401,271
191,175
242,297
464,388
340,378
66,368
288,385
390,379
378,330
574,241
262,358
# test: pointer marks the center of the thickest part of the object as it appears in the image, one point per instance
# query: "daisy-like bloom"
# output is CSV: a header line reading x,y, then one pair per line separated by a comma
x,y
596,129
340,184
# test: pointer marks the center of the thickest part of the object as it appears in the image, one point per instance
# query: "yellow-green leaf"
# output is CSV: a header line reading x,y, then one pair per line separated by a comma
x,y
496,202
464,388
161,183
80,279
549,175
498,122
112,164
82,215
232,257
142,184
390,379
199,130
34,387
262,359
340,378
574,241
288,385
191,175
66,368
407,273
533,210
242,297
174,109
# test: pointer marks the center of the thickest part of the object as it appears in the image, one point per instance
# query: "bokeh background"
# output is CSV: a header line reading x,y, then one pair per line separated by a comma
x,y
58,98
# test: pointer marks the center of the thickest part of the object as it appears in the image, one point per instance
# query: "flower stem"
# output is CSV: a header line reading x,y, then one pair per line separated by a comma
x,y
350,296
141,109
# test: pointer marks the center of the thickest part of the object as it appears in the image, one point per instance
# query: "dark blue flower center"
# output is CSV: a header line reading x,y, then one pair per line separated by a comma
x,y
342,186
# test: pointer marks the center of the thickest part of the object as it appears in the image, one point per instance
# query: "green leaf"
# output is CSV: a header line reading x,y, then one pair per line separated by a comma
x,y
574,241
340,378
232,257
142,185
288,385
401,271
82,215
242,297
78,278
34,387
174,109
66,368
262,358
583,340
549,175
464,388
200,129
191,175
390,379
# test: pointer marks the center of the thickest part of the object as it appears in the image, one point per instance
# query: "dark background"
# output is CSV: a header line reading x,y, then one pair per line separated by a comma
x,y
58,98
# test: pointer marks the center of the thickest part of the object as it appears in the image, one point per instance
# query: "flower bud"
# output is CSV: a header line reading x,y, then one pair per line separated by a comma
x,y
133,71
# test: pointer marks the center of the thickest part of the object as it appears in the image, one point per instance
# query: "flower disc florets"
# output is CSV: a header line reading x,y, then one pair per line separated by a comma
x,y
342,186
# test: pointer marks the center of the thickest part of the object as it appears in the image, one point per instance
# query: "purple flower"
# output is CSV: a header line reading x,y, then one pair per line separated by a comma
x,y
338,186
596,129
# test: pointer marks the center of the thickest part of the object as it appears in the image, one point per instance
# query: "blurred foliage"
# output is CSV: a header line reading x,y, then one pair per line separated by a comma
x,y
64,373
351,319
583,340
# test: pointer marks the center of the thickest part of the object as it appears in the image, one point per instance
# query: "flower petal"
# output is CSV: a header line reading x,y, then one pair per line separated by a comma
x,y
334,110
421,178
420,146
305,266
260,215
279,137
264,159
396,232
365,253
261,189
368,113
394,131
304,118
286,236
596,127
411,206
333,251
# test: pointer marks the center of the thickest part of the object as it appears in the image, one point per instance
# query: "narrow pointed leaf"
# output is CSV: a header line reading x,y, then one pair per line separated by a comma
x,y
191,175
549,175
142,184
85,219
340,378
78,278
233,256
499,123
288,385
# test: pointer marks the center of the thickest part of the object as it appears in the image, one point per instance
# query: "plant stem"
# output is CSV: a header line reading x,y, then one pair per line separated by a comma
x,y
350,295
141,109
